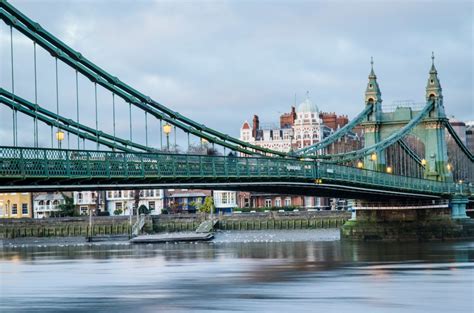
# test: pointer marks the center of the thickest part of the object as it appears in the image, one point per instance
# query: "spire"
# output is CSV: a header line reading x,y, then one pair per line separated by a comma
x,y
372,92
372,74
433,68
433,87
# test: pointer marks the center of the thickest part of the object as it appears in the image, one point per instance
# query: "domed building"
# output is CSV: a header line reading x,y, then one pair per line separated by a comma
x,y
308,124
304,125
299,128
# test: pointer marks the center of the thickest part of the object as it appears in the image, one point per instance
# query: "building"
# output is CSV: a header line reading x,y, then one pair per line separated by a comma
x,y
459,127
184,200
224,200
15,205
46,204
123,202
470,135
301,127
89,200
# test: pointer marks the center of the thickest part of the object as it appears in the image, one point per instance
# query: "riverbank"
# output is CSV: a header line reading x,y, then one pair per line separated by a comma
x,y
254,221
105,225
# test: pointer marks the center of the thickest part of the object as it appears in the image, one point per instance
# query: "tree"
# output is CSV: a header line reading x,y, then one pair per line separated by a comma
x,y
136,199
207,206
143,210
67,208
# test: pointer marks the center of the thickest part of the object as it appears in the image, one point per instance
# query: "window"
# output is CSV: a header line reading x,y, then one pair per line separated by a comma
x,y
14,209
224,198
79,196
83,210
118,206
287,201
268,203
109,194
151,205
278,202
55,202
246,202
41,202
24,208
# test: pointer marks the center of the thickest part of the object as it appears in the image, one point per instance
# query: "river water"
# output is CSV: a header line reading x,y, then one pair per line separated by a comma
x,y
261,271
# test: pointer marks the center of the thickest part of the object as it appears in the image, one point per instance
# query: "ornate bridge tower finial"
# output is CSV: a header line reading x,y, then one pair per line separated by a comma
x,y
372,92
433,87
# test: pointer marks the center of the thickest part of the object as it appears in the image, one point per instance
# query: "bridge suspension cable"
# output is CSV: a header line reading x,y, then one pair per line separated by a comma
x,y
57,48
337,135
61,122
381,145
56,123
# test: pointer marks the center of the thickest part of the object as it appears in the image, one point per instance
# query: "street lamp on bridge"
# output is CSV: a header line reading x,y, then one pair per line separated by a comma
x,y
449,167
373,157
59,137
167,130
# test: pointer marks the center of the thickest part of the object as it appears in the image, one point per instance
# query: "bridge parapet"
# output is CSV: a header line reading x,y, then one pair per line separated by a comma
x,y
55,166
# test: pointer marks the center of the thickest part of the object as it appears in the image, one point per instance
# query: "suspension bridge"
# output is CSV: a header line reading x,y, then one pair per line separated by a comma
x,y
62,144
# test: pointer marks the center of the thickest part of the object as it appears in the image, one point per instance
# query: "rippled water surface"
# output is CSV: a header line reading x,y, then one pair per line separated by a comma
x,y
277,271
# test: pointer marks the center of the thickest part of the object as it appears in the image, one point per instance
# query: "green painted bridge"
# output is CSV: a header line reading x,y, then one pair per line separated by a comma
x,y
54,169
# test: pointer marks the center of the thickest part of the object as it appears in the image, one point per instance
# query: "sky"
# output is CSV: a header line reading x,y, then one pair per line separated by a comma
x,y
221,62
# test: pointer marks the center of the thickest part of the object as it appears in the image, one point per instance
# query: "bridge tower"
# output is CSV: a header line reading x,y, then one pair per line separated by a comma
x,y
372,127
436,151
430,132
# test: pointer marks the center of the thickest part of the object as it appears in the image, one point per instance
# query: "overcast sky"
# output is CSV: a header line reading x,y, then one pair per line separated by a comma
x,y
220,62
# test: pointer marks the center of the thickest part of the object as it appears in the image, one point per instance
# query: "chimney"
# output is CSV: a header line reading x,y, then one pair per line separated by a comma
x,y
255,126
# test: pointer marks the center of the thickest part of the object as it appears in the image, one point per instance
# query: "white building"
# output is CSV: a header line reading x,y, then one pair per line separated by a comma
x,y
306,129
122,202
308,125
302,127
45,204
86,200
224,200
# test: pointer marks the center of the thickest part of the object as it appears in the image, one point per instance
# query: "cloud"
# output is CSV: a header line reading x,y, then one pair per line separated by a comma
x,y
221,62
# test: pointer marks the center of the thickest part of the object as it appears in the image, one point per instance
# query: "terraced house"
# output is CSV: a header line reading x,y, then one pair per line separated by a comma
x,y
15,205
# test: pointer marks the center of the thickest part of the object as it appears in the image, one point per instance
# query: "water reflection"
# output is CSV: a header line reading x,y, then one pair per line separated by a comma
x,y
250,272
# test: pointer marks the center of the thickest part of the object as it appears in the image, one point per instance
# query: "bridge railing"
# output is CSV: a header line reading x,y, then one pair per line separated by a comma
x,y
18,163
39,162
333,172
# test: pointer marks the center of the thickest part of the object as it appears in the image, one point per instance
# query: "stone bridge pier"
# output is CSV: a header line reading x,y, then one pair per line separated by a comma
x,y
409,221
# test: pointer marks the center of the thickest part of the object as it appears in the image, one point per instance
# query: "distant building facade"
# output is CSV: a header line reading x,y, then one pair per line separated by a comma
x,y
46,204
224,200
301,127
470,135
16,205
89,200
123,202
184,200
